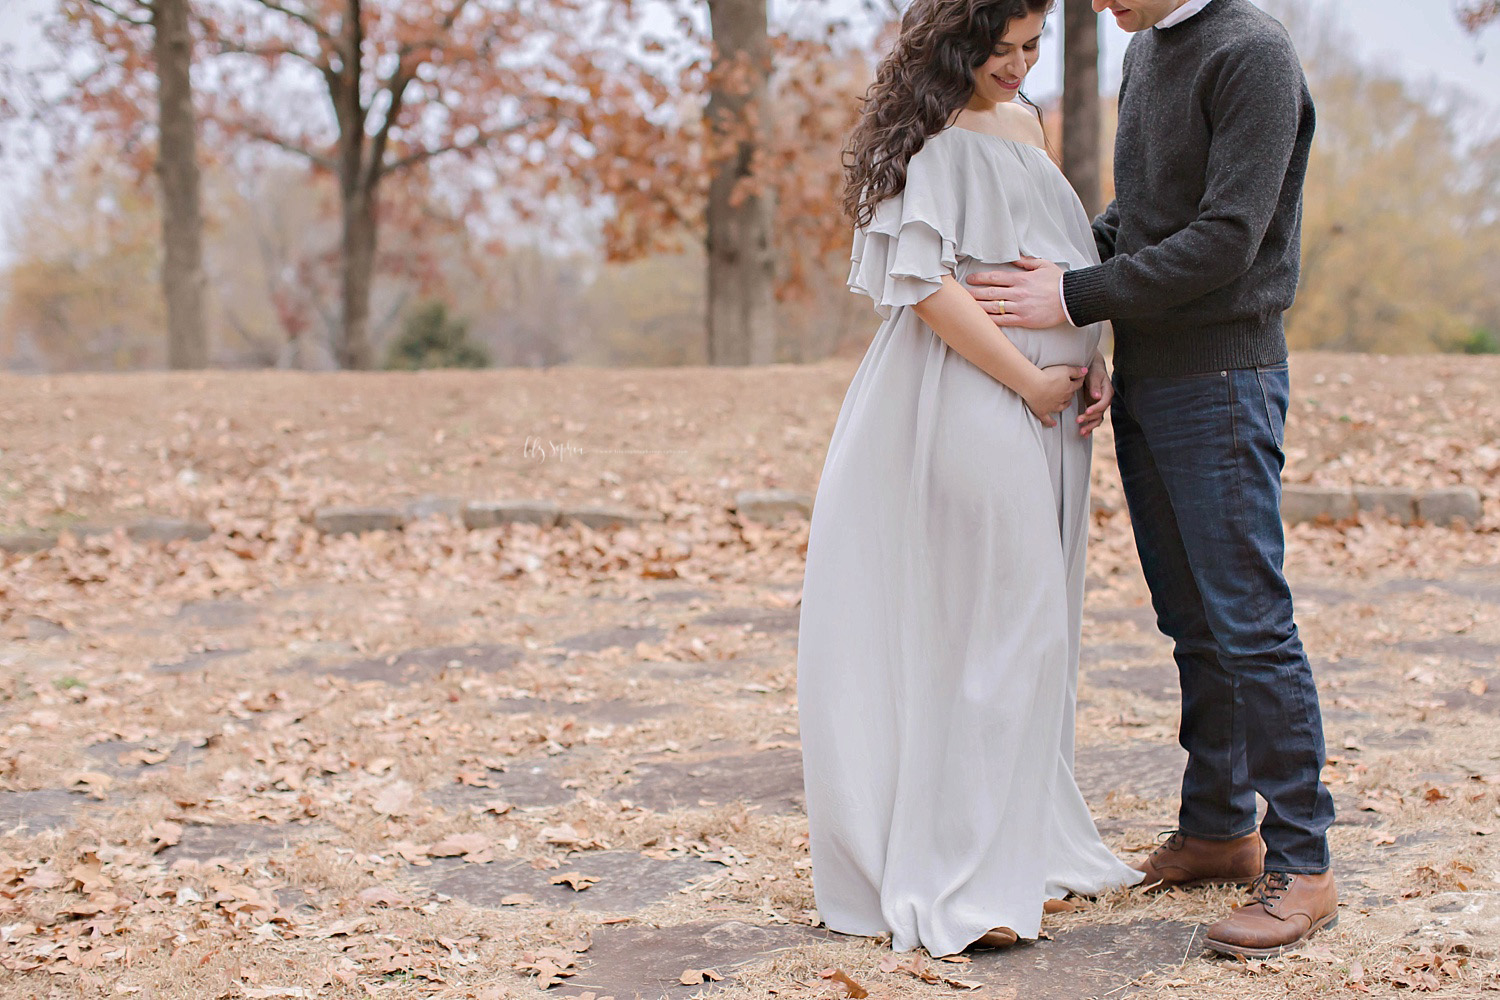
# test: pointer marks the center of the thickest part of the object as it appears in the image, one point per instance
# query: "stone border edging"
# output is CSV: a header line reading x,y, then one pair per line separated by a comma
x,y
770,506
1309,504
150,529
1299,505
475,514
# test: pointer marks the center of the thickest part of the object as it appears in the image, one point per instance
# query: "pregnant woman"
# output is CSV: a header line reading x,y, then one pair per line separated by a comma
x,y
937,656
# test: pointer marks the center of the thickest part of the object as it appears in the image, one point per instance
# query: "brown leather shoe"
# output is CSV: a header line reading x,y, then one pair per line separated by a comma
x,y
1287,910
1188,861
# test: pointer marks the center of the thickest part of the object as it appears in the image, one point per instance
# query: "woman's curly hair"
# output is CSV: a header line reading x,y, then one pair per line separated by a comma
x,y
927,76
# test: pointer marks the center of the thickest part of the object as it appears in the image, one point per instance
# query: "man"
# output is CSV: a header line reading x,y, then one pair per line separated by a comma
x,y
1201,257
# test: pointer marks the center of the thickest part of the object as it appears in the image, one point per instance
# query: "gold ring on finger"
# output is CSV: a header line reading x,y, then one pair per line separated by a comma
x,y
1002,307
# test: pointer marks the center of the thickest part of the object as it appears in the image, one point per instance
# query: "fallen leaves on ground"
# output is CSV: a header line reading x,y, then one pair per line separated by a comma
x,y
181,731
570,836
549,965
851,988
576,881
923,969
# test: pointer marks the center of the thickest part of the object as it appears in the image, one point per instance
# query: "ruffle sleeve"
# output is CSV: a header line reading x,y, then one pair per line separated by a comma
x,y
900,267
946,211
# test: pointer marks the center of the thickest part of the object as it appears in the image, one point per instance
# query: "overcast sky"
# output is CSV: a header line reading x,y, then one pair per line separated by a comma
x,y
1426,46
1422,47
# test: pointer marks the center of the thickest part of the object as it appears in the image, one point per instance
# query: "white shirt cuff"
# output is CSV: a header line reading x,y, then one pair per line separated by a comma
x,y
1064,300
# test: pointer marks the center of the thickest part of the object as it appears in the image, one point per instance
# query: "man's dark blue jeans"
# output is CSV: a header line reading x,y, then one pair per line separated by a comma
x,y
1201,459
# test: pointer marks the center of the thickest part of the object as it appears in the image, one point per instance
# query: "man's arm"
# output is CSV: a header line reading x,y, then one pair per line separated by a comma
x,y
1107,230
1256,119
1107,225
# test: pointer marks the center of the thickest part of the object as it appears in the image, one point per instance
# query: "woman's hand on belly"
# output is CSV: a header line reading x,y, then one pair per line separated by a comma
x,y
1053,390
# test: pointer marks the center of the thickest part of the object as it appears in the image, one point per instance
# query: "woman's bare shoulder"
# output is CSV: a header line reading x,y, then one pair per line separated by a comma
x,y
1013,120
1021,117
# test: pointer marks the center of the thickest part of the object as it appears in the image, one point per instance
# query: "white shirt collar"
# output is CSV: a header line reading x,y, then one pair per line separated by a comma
x,y
1182,13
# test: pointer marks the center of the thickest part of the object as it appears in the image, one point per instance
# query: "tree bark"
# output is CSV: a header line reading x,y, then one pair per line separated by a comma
x,y
358,275
741,260
177,171
1081,114
358,178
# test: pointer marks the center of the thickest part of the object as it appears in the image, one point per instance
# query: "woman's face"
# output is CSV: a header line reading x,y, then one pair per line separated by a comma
x,y
1001,75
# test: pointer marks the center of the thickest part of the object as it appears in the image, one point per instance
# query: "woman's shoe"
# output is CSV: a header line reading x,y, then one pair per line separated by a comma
x,y
1061,905
998,937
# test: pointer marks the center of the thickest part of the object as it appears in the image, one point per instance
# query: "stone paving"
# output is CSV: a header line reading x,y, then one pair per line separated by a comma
x,y
35,811
628,882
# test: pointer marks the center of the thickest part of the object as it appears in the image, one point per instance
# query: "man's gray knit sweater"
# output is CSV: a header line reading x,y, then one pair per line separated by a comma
x,y
1202,244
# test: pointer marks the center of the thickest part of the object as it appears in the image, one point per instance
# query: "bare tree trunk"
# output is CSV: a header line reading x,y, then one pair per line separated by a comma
x,y
358,271
358,177
741,262
177,170
1081,101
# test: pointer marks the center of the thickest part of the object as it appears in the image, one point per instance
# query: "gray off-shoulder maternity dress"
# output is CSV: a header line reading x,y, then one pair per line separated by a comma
x,y
937,655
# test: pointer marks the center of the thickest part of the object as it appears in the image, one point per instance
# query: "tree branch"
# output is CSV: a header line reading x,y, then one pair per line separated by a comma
x,y
427,154
290,147
458,147
121,15
1475,14
434,41
297,15
400,79
375,167
267,52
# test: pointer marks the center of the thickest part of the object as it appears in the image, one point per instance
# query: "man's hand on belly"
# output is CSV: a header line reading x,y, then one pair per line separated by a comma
x,y
1026,298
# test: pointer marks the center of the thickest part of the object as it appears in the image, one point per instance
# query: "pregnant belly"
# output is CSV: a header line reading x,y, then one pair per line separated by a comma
x,y
1060,345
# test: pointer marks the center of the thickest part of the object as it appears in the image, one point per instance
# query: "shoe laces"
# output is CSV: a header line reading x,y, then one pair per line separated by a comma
x,y
1269,887
1172,838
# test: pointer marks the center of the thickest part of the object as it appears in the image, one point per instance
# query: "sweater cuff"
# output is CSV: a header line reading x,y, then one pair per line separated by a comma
x,y
1083,294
